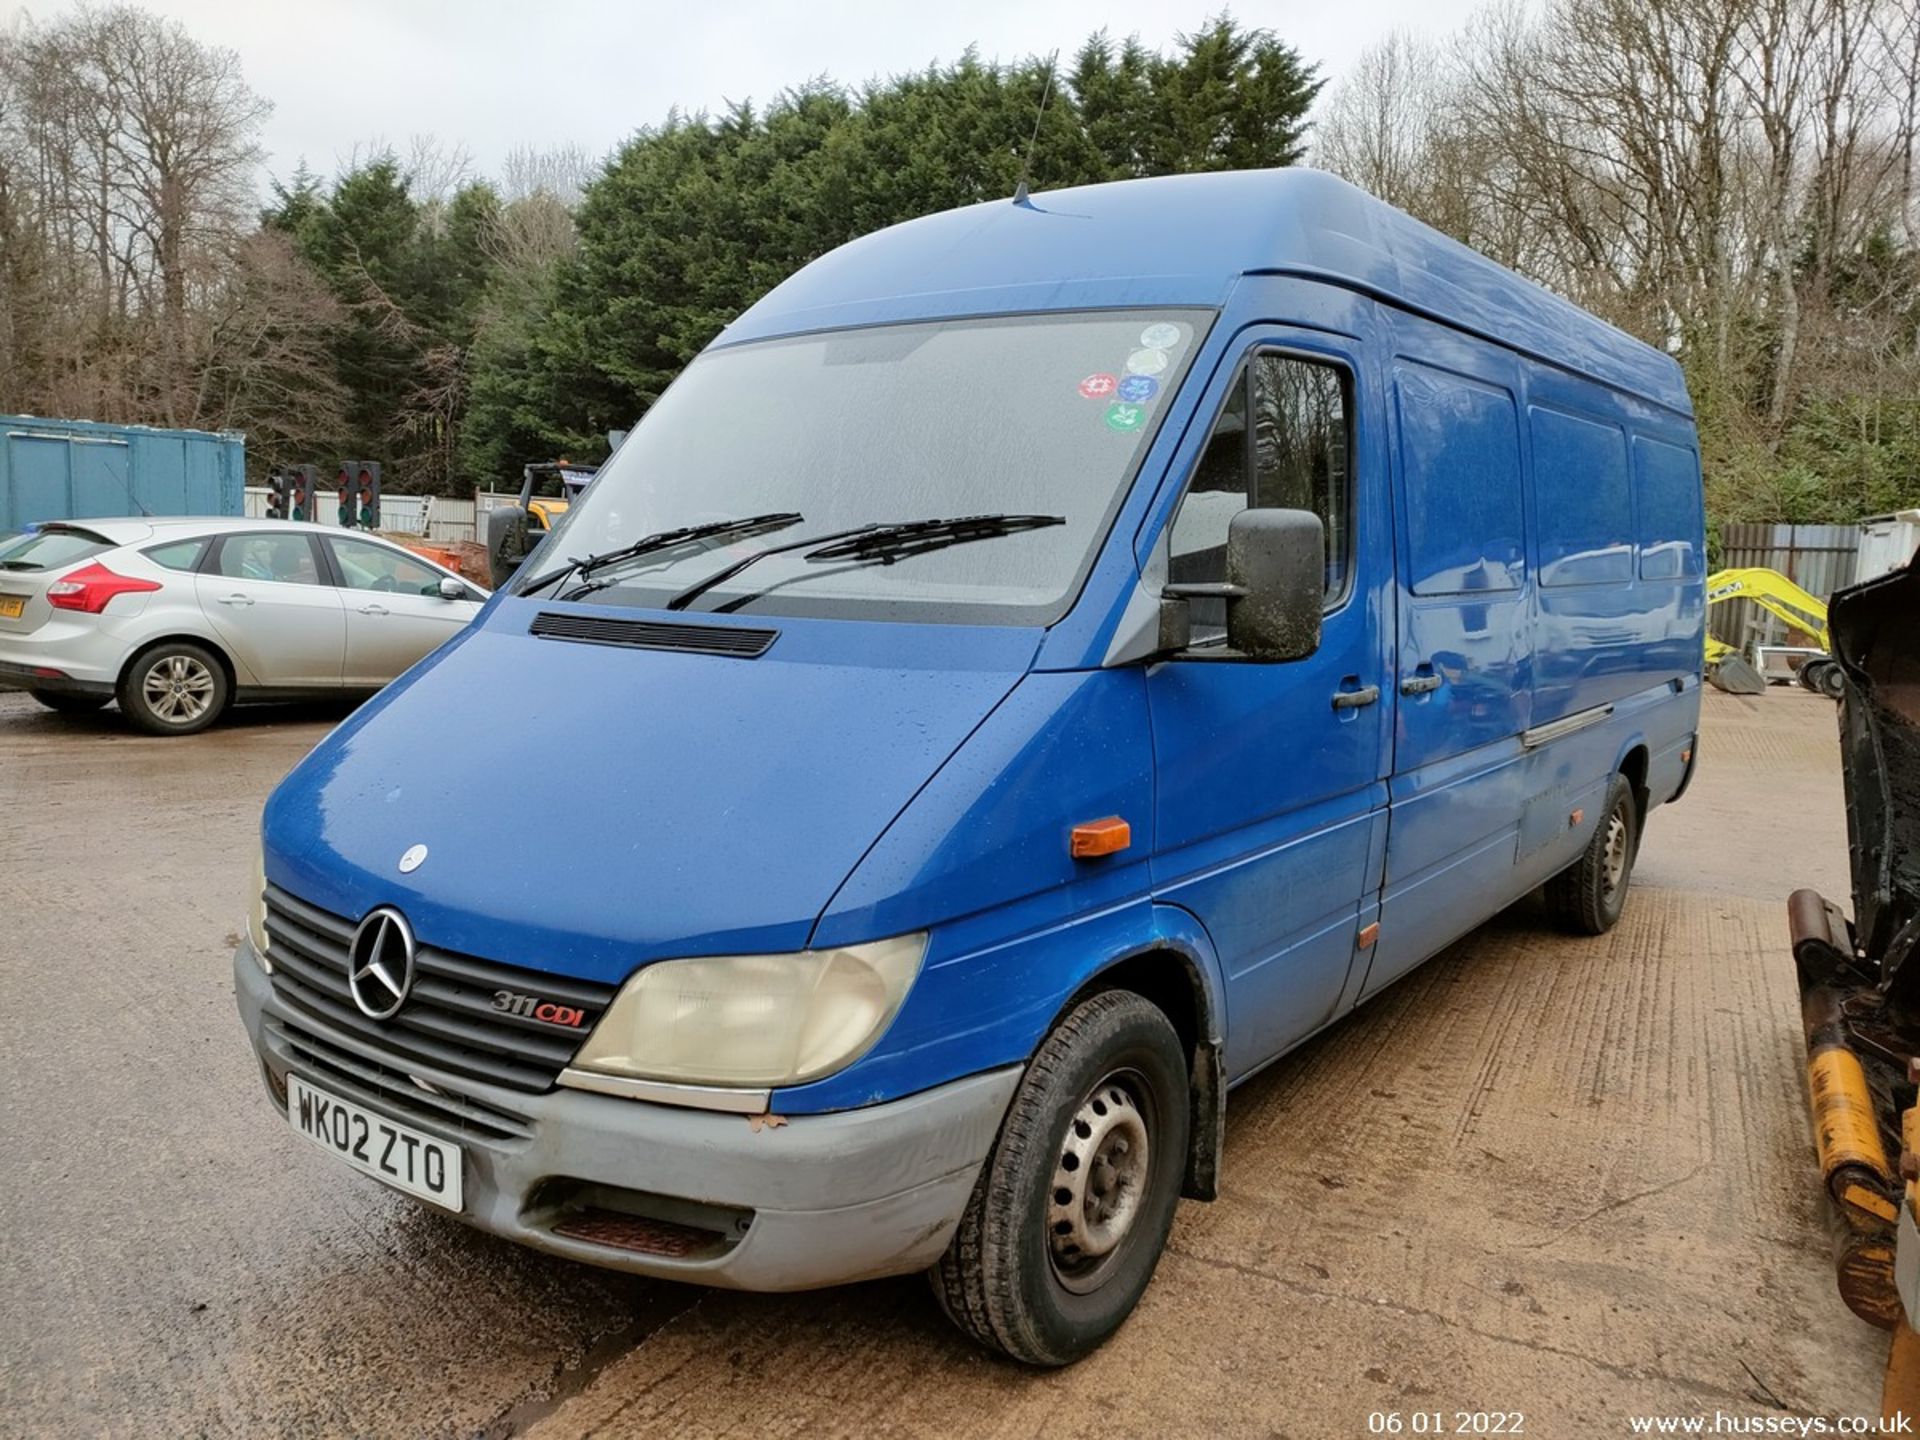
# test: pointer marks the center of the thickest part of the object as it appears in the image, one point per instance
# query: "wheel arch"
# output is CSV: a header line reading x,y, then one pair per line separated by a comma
x,y
1178,974
1634,762
182,637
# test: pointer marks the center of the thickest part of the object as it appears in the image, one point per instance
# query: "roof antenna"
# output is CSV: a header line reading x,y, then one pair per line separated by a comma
x,y
1026,160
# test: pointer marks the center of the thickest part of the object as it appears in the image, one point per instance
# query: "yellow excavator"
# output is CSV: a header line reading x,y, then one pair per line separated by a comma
x,y
1859,975
1777,595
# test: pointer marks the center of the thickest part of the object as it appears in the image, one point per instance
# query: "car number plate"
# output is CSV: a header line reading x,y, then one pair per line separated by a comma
x,y
405,1158
12,607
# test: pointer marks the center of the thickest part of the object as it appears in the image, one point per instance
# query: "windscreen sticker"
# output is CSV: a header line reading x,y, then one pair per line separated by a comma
x,y
1099,385
1160,337
1146,362
1138,389
1122,416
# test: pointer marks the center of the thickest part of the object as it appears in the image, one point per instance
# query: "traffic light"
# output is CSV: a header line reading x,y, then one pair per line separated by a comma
x,y
303,480
367,495
359,487
278,484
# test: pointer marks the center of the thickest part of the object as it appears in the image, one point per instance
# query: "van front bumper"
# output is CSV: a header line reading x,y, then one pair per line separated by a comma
x,y
710,1198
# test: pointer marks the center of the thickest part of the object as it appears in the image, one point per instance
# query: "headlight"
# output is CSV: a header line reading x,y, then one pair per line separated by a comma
x,y
257,908
753,1019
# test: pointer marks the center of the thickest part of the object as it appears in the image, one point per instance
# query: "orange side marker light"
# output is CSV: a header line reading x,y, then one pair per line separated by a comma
x,y
1094,838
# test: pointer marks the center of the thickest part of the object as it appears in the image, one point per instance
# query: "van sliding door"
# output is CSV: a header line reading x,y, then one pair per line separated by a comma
x,y
1464,681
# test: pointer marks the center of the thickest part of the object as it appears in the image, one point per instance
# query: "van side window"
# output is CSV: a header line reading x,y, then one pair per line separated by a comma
x,y
1460,450
1668,481
1586,529
1294,453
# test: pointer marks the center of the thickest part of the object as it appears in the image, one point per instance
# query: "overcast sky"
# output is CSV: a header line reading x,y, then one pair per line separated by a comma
x,y
493,74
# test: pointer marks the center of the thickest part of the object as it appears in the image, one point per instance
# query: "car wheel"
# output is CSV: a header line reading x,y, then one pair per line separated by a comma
x,y
1589,896
1073,1206
68,704
174,689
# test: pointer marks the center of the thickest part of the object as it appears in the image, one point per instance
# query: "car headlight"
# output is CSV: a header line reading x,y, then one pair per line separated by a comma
x,y
761,1020
257,908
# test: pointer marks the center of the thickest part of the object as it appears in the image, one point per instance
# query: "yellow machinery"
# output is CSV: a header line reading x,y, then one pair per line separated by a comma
x,y
1777,595
1859,976
546,490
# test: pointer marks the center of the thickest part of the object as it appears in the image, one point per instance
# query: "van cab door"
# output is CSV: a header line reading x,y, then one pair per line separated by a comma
x,y
1270,786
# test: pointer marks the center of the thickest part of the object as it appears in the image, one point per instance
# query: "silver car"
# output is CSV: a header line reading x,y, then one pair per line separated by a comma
x,y
177,619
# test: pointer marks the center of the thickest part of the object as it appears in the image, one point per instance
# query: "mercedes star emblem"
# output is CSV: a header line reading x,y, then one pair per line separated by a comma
x,y
380,963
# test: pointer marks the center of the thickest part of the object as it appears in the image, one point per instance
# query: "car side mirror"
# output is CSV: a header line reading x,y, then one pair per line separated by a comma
x,y
1276,583
506,542
452,589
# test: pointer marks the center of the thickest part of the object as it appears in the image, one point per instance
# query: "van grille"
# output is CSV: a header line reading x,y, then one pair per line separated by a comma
x,y
740,642
448,1021
347,1073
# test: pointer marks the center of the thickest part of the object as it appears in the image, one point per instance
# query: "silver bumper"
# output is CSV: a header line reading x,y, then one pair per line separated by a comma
x,y
818,1200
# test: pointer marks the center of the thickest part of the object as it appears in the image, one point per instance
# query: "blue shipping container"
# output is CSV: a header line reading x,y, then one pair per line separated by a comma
x,y
75,469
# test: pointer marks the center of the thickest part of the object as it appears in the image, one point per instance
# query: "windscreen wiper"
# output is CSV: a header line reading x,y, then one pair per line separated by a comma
x,y
888,543
882,544
666,539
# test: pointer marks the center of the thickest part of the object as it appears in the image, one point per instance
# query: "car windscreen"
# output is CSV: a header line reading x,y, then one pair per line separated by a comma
x,y
50,549
1044,415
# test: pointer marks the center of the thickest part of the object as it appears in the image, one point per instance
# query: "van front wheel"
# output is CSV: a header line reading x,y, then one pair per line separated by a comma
x,y
1588,897
1073,1206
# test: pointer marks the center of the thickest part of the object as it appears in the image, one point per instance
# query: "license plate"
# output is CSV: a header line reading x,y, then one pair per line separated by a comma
x,y
12,607
405,1158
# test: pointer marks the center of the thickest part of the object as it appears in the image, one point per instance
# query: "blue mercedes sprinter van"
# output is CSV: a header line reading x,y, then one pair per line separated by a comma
x,y
1039,665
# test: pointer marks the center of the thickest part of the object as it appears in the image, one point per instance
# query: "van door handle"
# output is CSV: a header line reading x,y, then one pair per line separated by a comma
x,y
1420,684
236,599
1354,699
374,610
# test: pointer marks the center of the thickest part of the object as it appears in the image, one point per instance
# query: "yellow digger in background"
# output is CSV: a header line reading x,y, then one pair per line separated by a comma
x,y
1859,977
1777,595
547,490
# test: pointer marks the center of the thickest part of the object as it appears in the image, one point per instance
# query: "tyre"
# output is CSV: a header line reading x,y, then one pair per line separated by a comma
x,y
1830,680
174,689
65,704
1588,897
1073,1205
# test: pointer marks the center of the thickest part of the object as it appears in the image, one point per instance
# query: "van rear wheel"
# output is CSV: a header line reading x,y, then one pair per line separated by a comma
x,y
1072,1208
1589,896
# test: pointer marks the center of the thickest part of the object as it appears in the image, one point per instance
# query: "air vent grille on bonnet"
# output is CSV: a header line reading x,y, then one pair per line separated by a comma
x,y
739,642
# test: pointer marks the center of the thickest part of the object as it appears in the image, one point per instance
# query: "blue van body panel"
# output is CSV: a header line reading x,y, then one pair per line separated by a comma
x,y
1184,240
698,805
981,859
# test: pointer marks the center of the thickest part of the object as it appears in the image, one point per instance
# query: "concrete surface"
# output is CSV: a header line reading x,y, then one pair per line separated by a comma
x,y
1570,1179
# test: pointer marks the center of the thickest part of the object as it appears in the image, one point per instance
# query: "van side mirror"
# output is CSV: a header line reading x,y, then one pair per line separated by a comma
x,y
506,542
1277,564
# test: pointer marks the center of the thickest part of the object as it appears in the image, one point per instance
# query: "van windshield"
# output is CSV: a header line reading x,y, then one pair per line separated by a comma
x,y
1040,414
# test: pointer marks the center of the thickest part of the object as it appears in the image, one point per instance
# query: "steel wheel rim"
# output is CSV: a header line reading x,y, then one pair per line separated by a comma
x,y
178,689
1100,1181
1614,859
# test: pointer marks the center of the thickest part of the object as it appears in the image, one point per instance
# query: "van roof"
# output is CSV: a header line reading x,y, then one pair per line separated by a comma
x,y
1186,240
